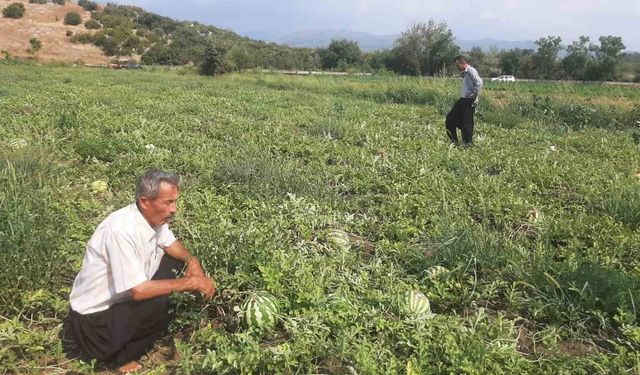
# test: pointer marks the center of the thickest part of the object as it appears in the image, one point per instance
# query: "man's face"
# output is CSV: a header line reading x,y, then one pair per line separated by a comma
x,y
461,66
161,209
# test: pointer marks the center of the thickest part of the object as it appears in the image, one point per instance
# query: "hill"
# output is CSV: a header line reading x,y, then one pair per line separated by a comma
x,y
371,42
45,22
121,30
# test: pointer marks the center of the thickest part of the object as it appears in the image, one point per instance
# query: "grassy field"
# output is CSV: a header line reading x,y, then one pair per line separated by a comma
x,y
538,224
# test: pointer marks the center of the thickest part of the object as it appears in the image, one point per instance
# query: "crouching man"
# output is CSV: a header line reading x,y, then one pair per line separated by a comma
x,y
119,300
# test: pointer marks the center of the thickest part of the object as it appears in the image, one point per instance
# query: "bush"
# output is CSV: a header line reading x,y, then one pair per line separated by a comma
x,y
88,5
82,38
214,60
92,24
72,18
37,1
15,10
59,2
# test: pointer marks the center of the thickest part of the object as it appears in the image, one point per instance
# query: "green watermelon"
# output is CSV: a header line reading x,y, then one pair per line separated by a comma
x,y
417,304
435,272
339,239
260,310
99,186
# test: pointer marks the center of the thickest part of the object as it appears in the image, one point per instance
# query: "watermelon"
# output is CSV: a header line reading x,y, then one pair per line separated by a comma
x,y
417,304
535,216
260,310
435,272
18,143
339,239
99,186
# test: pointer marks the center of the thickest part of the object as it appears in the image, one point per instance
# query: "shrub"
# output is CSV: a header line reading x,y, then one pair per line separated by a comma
x,y
92,24
72,18
214,60
36,45
37,1
82,38
88,5
15,10
59,2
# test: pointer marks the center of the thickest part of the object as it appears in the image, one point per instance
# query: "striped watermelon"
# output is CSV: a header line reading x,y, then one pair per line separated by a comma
x,y
435,272
260,310
417,304
339,239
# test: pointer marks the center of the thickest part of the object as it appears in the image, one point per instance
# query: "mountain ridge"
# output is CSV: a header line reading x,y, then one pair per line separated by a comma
x,y
369,42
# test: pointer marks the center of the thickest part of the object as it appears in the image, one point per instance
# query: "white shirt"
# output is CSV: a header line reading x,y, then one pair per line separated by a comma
x,y
471,83
123,252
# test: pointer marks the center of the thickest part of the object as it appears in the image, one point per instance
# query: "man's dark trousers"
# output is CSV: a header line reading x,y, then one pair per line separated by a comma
x,y
461,117
127,330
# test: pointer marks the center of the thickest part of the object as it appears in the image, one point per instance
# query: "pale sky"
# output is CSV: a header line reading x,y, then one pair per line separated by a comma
x,y
499,19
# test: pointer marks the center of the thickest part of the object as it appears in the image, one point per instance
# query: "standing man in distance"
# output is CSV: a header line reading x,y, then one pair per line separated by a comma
x,y
461,115
119,300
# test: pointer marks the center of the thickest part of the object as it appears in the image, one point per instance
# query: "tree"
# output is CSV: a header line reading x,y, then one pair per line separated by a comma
x,y
214,60
578,58
516,62
14,10
241,57
608,58
36,45
88,5
546,57
72,18
426,49
92,24
340,53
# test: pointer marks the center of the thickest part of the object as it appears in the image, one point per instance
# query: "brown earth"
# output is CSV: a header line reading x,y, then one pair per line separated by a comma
x,y
46,22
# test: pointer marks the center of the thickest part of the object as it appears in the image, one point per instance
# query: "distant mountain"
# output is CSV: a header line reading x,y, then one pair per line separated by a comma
x,y
487,44
370,42
322,38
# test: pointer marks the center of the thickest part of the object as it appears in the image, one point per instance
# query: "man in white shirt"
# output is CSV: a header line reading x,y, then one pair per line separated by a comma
x,y
119,300
461,115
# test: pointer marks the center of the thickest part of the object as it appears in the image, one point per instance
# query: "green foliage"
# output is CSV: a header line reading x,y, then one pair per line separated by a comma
x,y
59,2
341,53
35,44
13,10
214,60
88,5
72,18
337,195
426,49
92,24
546,56
37,1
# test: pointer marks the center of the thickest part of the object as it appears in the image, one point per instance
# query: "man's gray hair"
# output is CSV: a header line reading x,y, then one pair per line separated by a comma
x,y
149,183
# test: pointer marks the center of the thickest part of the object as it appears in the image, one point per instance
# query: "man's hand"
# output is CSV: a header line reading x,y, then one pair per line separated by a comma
x,y
205,285
194,268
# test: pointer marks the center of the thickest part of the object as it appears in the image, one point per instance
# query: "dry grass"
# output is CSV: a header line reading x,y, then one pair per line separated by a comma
x,y
45,22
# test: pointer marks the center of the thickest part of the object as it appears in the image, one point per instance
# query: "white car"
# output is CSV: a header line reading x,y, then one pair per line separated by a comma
x,y
503,79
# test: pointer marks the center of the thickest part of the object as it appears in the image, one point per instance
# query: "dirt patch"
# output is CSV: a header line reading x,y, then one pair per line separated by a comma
x,y
46,22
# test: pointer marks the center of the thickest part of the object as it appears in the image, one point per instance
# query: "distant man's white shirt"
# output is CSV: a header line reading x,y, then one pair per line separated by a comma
x,y
123,252
471,83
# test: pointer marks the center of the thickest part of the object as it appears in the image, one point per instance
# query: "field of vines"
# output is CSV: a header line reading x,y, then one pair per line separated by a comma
x,y
537,226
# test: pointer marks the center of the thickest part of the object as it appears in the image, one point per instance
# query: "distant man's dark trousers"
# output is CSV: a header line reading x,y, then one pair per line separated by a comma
x,y
461,117
126,330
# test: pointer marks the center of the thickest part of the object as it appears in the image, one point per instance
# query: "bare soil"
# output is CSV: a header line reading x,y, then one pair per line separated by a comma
x,y
46,22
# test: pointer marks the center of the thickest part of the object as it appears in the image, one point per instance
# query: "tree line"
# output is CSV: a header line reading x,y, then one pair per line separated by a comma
x,y
424,49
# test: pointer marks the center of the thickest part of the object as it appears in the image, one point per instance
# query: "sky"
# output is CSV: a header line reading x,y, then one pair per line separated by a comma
x,y
497,19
